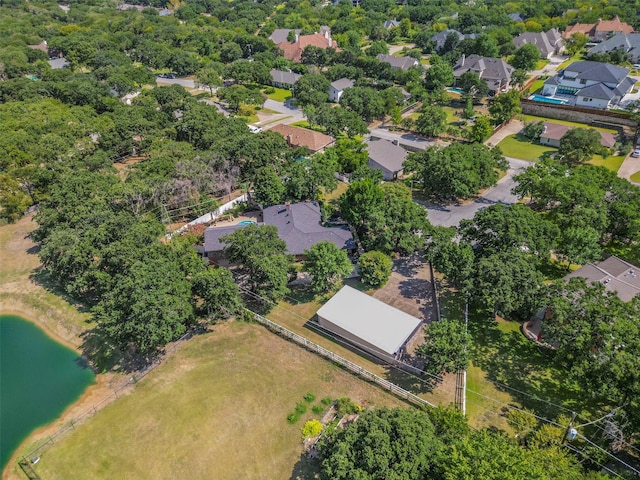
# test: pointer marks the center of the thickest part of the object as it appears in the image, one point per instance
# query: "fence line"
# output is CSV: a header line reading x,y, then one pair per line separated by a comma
x,y
25,461
314,347
435,290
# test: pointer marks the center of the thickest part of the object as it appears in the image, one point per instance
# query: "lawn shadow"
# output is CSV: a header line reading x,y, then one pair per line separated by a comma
x,y
306,468
521,368
42,278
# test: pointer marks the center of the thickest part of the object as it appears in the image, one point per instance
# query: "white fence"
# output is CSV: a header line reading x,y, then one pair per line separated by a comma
x,y
211,216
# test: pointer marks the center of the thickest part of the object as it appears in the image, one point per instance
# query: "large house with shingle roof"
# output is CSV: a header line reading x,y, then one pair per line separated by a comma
x,y
284,79
386,156
299,226
337,88
303,137
593,84
548,43
440,39
494,71
599,31
627,42
615,274
553,133
398,63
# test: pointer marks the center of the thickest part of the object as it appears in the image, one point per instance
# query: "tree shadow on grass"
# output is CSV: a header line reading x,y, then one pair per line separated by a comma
x,y
41,277
306,469
522,368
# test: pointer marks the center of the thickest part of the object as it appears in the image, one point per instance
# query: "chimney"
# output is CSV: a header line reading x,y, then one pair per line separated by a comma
x,y
326,34
395,142
287,206
463,59
289,138
297,39
328,37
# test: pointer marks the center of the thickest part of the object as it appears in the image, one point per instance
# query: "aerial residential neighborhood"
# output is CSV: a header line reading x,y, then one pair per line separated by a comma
x,y
320,240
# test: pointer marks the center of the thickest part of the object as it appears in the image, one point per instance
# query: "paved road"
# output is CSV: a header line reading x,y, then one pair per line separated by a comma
x,y
413,141
450,215
186,83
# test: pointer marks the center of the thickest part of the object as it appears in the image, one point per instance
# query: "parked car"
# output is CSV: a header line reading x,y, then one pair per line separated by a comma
x,y
167,75
254,129
636,153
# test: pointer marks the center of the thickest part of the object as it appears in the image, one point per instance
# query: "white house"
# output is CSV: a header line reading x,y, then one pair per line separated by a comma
x,y
337,88
593,84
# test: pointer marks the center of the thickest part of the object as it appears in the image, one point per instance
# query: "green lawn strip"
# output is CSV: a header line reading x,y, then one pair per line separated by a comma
x,y
280,94
635,177
612,162
219,405
269,111
532,118
568,62
337,193
540,64
294,317
536,86
301,123
517,146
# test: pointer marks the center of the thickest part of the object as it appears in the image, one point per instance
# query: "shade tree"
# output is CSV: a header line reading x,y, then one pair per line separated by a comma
x,y
327,265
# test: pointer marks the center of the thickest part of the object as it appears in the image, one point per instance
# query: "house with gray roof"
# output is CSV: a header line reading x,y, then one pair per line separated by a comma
x,y
398,63
548,43
516,17
590,84
494,71
337,88
298,224
627,42
391,24
280,35
371,325
440,38
615,274
283,79
386,156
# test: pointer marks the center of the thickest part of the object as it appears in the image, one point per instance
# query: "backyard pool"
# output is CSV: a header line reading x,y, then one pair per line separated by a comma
x,y
247,222
543,99
455,90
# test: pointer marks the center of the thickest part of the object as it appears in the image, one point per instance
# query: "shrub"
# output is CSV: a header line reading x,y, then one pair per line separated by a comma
x,y
312,428
317,409
269,90
292,418
301,408
309,397
326,401
375,268
347,406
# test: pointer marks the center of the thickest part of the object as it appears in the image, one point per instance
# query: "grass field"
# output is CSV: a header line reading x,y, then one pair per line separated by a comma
x,y
635,177
280,94
517,146
536,86
215,409
532,118
566,63
612,162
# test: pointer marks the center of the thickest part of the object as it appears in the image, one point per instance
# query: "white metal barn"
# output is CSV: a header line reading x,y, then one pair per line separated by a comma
x,y
368,323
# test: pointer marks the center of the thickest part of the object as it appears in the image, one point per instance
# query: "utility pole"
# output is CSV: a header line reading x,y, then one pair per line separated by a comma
x,y
461,376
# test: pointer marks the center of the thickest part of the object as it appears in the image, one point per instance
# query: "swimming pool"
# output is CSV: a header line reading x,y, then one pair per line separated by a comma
x,y
456,90
247,222
543,99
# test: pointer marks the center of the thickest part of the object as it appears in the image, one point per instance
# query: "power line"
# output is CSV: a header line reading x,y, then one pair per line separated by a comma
x,y
637,472
585,456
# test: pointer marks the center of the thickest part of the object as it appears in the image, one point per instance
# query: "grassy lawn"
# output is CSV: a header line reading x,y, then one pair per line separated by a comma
x,y
337,193
612,162
568,62
280,94
635,177
301,123
540,64
532,118
217,408
536,86
517,146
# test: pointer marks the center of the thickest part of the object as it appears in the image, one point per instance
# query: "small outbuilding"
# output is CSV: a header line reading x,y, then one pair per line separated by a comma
x,y
368,323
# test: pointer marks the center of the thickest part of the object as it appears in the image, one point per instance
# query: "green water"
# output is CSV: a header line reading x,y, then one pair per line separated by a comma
x,y
39,378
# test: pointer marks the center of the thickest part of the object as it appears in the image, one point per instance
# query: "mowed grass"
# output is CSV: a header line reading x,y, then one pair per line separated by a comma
x,y
217,408
635,177
612,162
280,94
517,146
533,118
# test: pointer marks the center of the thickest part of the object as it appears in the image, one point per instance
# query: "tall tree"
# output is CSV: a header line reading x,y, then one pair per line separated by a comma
x,y
579,145
505,106
375,268
445,348
432,121
327,264
526,57
217,293
311,89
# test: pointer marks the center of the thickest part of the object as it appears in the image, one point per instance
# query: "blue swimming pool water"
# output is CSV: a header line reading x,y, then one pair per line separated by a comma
x,y
543,99
246,222
456,90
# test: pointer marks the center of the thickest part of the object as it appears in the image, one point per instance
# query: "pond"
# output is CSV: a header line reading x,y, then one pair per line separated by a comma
x,y
39,378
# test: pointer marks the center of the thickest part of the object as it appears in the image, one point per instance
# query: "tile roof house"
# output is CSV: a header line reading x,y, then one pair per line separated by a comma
x,y
593,84
303,137
627,42
398,63
553,132
293,50
615,274
548,43
598,31
298,224
337,88
494,71
386,156
440,38
283,79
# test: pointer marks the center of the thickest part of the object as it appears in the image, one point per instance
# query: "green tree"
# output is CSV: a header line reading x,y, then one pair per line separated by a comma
x,y
471,84
576,43
217,293
533,130
268,187
311,429
432,121
327,265
209,77
264,264
375,268
579,145
480,130
365,101
311,89
526,57
505,106
440,75
456,171
454,259
445,347
13,200
376,447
